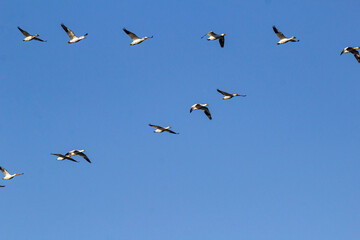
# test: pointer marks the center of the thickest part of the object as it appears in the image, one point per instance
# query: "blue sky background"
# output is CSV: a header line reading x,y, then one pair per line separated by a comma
x,y
280,164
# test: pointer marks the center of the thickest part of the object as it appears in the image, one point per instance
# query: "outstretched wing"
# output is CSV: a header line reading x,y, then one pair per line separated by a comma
x,y
3,170
68,31
222,41
154,126
84,156
26,34
207,112
356,55
69,158
278,33
167,130
131,35
38,39
223,93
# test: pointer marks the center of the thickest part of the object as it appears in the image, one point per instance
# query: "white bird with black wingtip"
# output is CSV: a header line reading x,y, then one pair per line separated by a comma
x,y
230,95
160,129
8,176
202,107
283,39
29,37
136,39
353,51
214,36
72,36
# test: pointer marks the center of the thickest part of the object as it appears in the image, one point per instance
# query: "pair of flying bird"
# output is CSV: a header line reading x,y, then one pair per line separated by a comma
x,y
72,36
71,153
221,37
205,109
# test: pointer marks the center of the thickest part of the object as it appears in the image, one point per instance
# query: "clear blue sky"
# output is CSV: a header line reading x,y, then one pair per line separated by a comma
x,y
282,163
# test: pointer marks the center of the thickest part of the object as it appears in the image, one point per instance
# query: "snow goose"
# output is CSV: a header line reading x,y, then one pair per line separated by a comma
x,y
214,36
162,129
229,95
136,39
29,37
353,51
8,176
78,152
202,107
283,39
73,38
63,157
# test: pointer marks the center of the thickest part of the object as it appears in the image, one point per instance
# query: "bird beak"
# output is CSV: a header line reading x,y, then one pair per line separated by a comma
x,y
342,52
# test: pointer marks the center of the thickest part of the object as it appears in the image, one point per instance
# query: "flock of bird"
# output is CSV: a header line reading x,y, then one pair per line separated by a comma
x,y
136,40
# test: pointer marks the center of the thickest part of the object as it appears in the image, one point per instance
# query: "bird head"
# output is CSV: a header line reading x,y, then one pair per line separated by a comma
x,y
223,34
36,35
82,150
146,37
236,94
342,52
206,104
168,127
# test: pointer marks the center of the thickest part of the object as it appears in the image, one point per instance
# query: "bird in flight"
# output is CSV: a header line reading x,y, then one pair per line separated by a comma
x,y
162,129
29,37
202,107
136,39
78,152
8,176
63,157
229,95
283,39
353,51
72,36
214,36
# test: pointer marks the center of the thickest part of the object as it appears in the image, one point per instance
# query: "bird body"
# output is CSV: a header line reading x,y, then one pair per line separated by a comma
x,y
29,37
353,51
136,39
72,36
229,95
202,107
214,36
283,39
8,176
159,129
63,157
78,152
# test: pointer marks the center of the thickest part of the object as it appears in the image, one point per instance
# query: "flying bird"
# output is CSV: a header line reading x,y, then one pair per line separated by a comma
x,y
8,176
63,157
162,129
72,36
2,186
136,39
353,51
214,36
29,37
202,107
283,39
78,152
229,95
